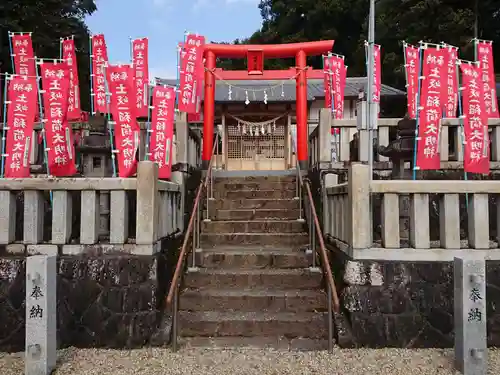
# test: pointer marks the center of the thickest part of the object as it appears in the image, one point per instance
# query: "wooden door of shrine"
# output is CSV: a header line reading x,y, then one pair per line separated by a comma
x,y
256,146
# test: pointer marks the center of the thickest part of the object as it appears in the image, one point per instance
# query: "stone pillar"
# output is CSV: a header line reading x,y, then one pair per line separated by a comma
x,y
325,136
182,144
360,223
330,180
41,320
471,353
400,173
147,203
363,132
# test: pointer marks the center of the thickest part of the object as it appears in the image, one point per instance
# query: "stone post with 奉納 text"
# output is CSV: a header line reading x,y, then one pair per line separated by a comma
x,y
471,353
41,319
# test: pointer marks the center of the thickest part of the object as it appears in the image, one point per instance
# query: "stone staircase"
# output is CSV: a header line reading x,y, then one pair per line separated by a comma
x,y
253,284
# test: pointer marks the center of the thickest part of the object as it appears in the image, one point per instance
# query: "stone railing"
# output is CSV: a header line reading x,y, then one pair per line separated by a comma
x,y
411,220
451,147
76,215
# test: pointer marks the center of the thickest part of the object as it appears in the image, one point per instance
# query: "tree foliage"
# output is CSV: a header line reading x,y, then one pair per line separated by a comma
x,y
345,21
49,20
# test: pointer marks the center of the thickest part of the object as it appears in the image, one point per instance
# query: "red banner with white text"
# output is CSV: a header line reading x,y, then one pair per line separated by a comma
x,y
140,62
58,132
477,147
327,81
484,53
412,68
190,69
162,129
450,89
430,114
69,56
24,56
121,86
377,72
99,56
196,117
21,112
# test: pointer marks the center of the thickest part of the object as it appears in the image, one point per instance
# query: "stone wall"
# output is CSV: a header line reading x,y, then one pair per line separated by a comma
x,y
404,304
108,300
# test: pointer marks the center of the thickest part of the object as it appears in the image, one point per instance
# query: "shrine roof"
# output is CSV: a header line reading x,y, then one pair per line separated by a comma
x,y
275,89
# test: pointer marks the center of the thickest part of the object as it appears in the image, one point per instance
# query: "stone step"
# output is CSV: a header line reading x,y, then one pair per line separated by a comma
x,y
251,324
267,204
262,185
294,300
255,214
256,179
297,240
299,278
261,226
256,342
252,257
255,194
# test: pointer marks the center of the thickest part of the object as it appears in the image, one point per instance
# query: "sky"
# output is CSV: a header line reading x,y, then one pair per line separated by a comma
x,y
164,22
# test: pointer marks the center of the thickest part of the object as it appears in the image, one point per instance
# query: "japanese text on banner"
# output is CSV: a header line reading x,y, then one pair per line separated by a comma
x,y
99,62
141,74
121,87
191,64
21,114
69,56
450,89
412,72
327,81
430,114
335,77
24,57
477,145
485,57
162,129
377,74
58,133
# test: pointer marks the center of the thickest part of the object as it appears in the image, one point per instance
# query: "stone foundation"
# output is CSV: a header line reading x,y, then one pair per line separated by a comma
x,y
108,300
404,304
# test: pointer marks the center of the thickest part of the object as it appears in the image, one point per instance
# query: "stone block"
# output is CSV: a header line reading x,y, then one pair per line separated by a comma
x,y
41,329
42,250
471,356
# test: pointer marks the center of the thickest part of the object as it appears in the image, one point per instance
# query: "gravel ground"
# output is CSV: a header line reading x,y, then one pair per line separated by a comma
x,y
197,361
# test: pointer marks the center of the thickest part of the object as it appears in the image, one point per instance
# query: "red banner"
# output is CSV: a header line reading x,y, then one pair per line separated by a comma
x,y
327,81
58,133
450,89
121,87
484,53
191,65
335,78
412,68
99,56
377,73
21,112
162,129
24,57
69,56
141,74
477,155
430,112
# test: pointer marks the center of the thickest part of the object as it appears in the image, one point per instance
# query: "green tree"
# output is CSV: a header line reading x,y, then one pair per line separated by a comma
x,y
49,20
345,21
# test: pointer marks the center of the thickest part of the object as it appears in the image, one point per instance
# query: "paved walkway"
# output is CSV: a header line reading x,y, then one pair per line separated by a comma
x,y
196,361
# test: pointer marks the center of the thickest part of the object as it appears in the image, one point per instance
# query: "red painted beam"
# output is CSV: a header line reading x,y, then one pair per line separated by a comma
x,y
271,50
279,75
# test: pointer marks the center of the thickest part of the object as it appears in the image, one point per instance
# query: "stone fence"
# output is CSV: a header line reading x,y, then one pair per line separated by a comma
x,y
451,147
411,220
70,215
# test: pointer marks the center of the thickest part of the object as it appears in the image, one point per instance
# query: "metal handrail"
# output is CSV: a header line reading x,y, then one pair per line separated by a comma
x,y
315,229
195,217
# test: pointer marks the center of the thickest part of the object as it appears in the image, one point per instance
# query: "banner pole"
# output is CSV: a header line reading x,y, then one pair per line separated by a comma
x,y
110,123
42,119
12,52
148,125
461,127
417,105
4,129
91,58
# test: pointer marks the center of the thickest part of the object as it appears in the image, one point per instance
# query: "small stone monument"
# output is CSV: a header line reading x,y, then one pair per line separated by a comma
x,y
41,319
471,353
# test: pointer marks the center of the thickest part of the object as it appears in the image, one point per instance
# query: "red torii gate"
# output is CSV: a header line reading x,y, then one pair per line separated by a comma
x,y
255,57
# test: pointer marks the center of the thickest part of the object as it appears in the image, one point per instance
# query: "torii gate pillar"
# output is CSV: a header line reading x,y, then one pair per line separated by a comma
x,y
298,50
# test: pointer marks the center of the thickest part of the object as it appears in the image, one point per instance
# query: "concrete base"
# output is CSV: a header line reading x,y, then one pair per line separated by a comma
x,y
303,164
